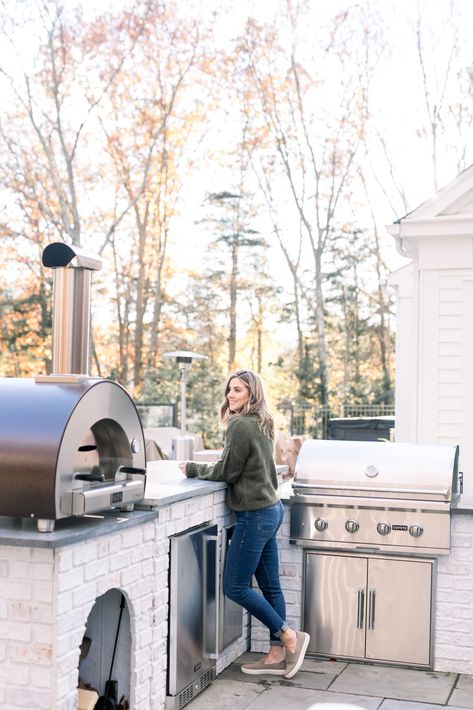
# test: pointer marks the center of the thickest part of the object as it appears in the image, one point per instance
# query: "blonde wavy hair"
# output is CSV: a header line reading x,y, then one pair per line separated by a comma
x,y
256,404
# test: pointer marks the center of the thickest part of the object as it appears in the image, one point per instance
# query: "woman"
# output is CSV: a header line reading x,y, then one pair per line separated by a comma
x,y
247,466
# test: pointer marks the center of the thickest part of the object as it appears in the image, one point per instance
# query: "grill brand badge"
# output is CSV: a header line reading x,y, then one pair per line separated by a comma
x,y
371,471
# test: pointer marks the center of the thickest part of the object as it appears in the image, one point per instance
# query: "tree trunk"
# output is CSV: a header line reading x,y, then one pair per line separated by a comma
x,y
233,303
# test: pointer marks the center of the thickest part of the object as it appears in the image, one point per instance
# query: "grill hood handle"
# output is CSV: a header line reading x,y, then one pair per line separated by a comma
x,y
343,487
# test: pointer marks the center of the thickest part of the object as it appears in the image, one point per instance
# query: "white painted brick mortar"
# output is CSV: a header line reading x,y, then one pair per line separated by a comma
x,y
454,608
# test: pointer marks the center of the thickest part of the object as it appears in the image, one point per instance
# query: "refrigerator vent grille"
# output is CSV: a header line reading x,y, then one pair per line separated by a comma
x,y
207,678
189,693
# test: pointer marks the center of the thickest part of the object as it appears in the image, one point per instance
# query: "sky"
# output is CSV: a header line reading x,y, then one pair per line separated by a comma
x,y
396,92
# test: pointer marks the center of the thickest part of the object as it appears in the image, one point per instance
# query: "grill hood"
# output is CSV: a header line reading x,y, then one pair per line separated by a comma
x,y
380,469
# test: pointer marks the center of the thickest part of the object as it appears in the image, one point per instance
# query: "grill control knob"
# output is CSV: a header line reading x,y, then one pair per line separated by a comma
x,y
320,524
416,530
383,528
352,526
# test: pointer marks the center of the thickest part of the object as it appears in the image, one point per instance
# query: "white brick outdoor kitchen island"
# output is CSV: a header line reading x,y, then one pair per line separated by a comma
x,y
50,582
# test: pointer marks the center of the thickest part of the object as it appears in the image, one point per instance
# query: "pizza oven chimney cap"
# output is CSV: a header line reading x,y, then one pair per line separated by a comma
x,y
58,255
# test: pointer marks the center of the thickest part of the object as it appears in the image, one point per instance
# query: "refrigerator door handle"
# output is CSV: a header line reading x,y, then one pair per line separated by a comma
x,y
213,654
372,609
360,615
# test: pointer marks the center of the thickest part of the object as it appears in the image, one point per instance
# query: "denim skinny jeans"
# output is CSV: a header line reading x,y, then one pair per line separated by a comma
x,y
254,551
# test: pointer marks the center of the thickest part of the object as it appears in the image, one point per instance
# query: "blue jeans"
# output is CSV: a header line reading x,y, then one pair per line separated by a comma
x,y
254,551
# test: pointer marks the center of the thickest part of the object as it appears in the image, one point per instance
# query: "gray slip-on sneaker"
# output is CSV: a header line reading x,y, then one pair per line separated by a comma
x,y
261,668
294,660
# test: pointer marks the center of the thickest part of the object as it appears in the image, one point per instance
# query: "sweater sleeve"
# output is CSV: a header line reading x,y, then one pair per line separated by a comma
x,y
229,466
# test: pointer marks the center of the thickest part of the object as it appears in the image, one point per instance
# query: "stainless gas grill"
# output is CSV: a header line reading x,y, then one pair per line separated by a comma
x,y
372,517
391,497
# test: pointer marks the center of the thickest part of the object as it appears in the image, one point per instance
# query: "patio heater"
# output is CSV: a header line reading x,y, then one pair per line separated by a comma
x,y
183,445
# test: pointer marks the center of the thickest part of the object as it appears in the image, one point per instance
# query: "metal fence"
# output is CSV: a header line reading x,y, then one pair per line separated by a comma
x,y
157,414
304,419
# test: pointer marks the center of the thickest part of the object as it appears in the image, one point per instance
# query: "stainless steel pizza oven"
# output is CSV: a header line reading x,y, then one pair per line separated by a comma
x,y
388,497
70,444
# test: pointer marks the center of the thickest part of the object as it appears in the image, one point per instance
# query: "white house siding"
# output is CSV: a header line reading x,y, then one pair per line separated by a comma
x,y
428,366
444,365
434,379
466,386
451,358
405,282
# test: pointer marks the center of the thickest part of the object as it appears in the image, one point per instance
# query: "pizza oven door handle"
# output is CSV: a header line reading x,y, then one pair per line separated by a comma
x,y
106,497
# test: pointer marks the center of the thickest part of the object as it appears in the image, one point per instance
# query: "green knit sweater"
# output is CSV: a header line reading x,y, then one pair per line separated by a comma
x,y
246,464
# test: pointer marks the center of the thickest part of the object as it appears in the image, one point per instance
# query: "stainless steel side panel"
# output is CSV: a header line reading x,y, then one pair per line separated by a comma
x,y
192,606
334,610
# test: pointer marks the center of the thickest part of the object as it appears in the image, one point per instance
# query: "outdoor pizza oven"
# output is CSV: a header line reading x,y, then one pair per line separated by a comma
x,y
70,444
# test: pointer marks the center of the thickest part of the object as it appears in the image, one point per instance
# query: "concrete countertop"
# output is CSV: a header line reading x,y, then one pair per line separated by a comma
x,y
464,504
22,532
165,484
285,491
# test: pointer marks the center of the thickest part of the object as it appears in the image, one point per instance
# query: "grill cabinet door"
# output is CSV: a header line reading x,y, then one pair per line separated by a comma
x,y
399,603
335,604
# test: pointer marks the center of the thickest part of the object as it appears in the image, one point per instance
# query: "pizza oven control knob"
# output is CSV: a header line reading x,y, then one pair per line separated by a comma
x,y
352,526
320,524
383,528
416,530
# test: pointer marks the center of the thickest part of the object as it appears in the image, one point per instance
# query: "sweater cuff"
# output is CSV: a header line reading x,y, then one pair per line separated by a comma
x,y
191,469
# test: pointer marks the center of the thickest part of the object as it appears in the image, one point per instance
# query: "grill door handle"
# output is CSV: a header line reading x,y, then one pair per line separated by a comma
x,y
331,486
360,615
371,608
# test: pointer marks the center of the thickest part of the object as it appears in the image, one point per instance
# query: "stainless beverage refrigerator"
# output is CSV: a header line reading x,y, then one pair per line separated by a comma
x,y
193,613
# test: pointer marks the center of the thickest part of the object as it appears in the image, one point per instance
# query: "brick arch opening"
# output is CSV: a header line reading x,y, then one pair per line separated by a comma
x,y
105,619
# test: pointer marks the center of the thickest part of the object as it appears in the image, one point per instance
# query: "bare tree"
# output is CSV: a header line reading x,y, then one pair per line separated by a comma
x,y
304,151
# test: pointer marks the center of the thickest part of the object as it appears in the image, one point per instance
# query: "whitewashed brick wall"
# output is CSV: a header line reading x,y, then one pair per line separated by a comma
x,y
454,612
27,617
46,596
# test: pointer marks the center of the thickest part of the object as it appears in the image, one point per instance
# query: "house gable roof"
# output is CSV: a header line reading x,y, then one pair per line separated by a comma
x,y
448,212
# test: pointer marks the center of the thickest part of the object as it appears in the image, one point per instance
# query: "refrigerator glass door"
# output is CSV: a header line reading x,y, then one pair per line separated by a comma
x,y
399,616
334,612
192,606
